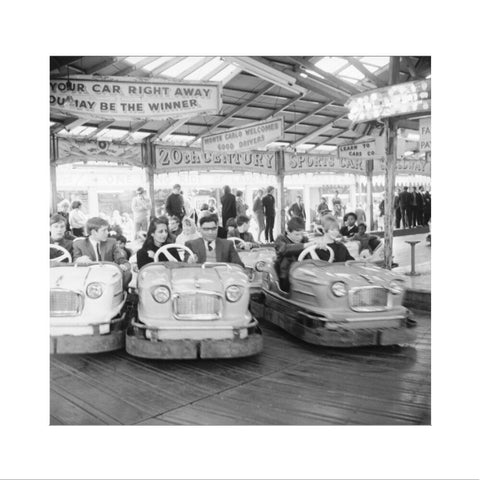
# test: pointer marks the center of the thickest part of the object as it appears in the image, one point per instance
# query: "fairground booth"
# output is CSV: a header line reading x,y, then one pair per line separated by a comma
x,y
117,123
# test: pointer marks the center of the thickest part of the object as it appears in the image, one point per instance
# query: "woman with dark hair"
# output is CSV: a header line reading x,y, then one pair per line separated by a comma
x,y
158,235
229,205
241,206
77,219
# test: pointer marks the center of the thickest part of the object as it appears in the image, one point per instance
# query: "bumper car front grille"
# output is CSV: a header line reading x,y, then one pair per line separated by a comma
x,y
368,299
197,306
65,303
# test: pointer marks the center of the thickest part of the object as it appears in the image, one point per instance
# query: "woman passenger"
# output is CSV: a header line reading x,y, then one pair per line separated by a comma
x,y
158,235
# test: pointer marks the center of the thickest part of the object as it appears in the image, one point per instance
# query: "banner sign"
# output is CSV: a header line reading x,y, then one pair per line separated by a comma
x,y
392,101
246,138
71,150
363,150
408,167
302,163
168,159
128,98
425,132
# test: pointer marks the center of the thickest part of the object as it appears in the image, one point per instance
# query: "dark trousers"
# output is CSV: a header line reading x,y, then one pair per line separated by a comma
x,y
405,216
426,216
269,223
398,217
413,216
420,216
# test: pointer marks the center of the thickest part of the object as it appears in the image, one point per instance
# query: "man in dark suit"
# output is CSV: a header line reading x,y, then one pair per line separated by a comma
x,y
404,200
420,207
268,202
397,209
229,205
98,247
210,248
297,209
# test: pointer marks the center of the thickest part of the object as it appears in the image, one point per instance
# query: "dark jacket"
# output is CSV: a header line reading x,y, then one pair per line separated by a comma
x,y
419,200
287,253
175,205
341,253
229,207
268,202
405,199
109,251
345,232
224,251
142,255
297,210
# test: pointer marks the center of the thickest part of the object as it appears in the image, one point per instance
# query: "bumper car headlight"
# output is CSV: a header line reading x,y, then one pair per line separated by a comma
x,y
234,293
161,294
396,287
94,290
339,289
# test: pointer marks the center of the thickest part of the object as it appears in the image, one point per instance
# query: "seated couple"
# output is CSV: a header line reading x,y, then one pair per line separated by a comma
x,y
290,245
96,247
207,248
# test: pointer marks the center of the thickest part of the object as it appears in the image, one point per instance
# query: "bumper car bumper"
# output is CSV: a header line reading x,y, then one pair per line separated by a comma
x,y
144,342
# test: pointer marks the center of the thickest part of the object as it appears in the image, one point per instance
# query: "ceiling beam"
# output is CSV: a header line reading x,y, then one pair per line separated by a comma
x,y
232,113
136,67
168,129
362,69
318,131
102,126
216,70
134,128
333,80
411,67
283,107
68,124
193,67
103,64
308,115
56,63
328,139
165,66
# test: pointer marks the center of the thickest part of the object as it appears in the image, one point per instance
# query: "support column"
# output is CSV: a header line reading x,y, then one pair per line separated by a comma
x,y
280,213
353,195
369,207
391,126
53,177
306,202
150,175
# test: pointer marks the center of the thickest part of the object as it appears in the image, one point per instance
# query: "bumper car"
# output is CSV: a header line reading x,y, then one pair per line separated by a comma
x,y
189,311
87,312
345,304
252,257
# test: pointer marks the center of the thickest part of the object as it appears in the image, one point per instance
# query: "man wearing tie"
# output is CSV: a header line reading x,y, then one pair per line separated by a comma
x,y
97,247
210,248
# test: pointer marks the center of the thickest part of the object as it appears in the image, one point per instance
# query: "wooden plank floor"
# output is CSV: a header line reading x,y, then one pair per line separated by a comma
x,y
290,383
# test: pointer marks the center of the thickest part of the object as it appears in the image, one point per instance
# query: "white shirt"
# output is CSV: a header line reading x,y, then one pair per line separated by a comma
x,y
95,243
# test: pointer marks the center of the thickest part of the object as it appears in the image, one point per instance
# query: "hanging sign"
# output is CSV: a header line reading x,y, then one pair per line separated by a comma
x,y
131,98
71,150
298,163
363,150
391,101
405,166
246,138
425,132
168,159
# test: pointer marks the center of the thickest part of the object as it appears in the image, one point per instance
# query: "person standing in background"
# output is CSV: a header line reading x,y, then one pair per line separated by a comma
x,y
141,207
229,205
241,206
427,207
258,212
77,219
297,209
268,202
175,204
413,207
63,210
404,199
397,209
420,207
